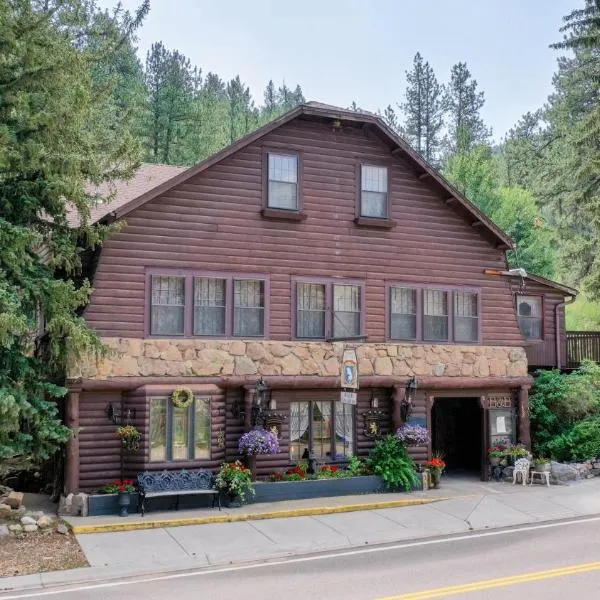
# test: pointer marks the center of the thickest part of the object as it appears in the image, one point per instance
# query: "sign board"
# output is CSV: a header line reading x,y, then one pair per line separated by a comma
x,y
349,397
422,421
349,369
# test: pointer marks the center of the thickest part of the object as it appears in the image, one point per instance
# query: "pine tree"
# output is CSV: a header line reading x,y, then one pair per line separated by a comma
x,y
463,103
57,135
423,109
391,118
270,97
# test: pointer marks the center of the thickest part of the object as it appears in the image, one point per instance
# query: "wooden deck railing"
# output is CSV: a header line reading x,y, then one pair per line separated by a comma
x,y
582,345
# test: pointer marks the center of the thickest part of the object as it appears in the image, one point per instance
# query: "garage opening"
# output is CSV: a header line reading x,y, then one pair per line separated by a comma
x,y
457,433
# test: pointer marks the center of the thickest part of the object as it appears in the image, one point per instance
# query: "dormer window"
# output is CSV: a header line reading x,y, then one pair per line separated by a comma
x,y
374,192
283,181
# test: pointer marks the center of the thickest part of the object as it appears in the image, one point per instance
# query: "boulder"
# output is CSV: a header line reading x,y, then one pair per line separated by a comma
x,y
5,510
45,521
562,472
15,527
62,528
28,521
14,499
4,531
30,528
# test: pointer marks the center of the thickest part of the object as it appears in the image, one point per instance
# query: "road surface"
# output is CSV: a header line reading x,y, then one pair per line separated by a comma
x,y
550,562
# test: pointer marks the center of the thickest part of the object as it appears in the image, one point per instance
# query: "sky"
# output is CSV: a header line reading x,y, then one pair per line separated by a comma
x,y
341,51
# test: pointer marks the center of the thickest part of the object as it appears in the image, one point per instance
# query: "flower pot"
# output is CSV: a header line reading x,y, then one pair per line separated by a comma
x,y
124,502
251,464
233,501
495,461
542,467
435,476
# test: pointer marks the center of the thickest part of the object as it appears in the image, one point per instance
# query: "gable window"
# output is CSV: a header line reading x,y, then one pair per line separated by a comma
x,y
168,305
435,315
323,428
248,308
329,309
466,317
210,308
403,313
179,433
529,310
282,181
373,192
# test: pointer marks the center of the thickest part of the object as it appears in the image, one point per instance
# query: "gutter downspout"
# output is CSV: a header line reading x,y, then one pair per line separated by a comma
x,y
557,326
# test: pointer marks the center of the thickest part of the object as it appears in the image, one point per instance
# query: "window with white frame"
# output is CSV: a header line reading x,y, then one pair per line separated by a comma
x,y
373,192
282,181
529,310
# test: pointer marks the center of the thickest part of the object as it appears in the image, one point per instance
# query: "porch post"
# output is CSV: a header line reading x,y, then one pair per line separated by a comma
x,y
524,431
429,400
398,396
248,401
72,459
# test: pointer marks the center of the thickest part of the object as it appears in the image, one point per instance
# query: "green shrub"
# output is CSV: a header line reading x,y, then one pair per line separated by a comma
x,y
390,461
581,442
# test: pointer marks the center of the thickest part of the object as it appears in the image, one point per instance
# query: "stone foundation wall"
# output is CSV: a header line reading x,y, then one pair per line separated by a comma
x,y
131,357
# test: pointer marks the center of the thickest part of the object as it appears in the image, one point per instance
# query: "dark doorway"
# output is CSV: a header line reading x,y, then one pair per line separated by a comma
x,y
457,431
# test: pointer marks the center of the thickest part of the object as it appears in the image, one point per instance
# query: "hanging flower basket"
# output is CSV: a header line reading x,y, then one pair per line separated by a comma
x,y
130,437
413,435
182,397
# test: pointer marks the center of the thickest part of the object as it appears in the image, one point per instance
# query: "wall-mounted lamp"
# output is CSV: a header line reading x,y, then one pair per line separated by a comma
x,y
409,398
374,402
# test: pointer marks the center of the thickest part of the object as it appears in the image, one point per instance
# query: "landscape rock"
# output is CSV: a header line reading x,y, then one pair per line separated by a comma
x,y
62,528
28,521
14,499
30,528
4,531
15,527
562,472
5,510
45,521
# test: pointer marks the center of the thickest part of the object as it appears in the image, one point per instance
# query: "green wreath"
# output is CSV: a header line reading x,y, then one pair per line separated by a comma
x,y
182,397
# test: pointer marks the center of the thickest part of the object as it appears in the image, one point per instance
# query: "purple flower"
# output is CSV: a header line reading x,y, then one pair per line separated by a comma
x,y
258,441
413,435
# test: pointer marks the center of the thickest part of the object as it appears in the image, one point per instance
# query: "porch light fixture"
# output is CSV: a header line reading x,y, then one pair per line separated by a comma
x,y
409,398
260,396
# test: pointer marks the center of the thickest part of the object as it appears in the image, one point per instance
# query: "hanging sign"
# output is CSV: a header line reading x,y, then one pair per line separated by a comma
x,y
349,397
349,369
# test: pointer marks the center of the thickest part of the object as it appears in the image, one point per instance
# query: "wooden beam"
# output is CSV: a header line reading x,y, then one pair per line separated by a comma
x,y
524,429
72,458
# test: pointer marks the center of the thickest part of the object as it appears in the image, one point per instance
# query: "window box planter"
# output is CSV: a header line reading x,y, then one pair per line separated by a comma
x,y
108,504
274,491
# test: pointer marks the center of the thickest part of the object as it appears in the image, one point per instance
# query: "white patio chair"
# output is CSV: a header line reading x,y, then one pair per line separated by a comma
x,y
521,468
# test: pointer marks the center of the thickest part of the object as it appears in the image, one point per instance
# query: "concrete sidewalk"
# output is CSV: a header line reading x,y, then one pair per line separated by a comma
x,y
459,506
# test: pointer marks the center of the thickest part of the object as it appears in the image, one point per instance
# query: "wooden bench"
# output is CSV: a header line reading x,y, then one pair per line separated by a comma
x,y
175,483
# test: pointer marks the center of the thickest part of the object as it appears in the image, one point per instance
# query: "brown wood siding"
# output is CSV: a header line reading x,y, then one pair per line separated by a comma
x,y
213,222
543,354
99,448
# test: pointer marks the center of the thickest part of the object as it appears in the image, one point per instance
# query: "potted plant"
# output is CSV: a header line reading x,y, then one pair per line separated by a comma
x,y
235,481
257,441
541,465
122,487
496,454
436,467
516,451
413,435
129,436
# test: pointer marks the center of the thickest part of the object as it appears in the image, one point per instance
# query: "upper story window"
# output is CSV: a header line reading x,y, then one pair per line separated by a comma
x,y
374,192
283,181
466,317
168,305
222,306
328,310
529,310
435,315
179,433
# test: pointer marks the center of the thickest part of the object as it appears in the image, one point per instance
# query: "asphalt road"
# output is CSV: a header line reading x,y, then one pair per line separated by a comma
x,y
534,562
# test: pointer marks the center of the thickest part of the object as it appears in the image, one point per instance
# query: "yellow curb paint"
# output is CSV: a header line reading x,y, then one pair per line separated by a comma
x,y
477,586
232,518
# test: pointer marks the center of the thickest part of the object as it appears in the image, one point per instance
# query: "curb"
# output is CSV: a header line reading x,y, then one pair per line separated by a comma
x,y
229,518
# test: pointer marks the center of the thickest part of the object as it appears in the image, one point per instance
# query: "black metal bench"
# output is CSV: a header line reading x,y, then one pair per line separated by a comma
x,y
175,483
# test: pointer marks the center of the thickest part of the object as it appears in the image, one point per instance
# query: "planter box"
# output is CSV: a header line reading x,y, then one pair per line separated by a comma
x,y
108,504
274,491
